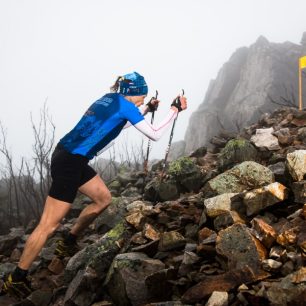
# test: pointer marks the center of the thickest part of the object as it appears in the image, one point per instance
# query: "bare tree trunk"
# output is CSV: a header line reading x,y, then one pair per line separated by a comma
x,y
30,184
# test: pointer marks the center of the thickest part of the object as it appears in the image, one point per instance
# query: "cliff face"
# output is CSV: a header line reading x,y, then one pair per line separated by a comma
x,y
244,89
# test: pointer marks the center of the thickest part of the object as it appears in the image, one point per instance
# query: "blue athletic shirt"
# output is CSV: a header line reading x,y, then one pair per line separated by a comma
x,y
100,124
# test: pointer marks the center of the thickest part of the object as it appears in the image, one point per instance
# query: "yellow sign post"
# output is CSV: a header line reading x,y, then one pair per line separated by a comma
x,y
302,65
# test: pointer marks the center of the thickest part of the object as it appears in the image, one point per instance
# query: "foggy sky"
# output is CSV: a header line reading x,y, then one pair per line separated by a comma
x,y
70,52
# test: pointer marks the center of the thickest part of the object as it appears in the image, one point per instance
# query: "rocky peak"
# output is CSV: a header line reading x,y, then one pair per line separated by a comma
x,y
262,41
255,80
303,40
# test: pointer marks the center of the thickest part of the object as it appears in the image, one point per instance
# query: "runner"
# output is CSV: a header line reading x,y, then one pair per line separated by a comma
x,y
101,123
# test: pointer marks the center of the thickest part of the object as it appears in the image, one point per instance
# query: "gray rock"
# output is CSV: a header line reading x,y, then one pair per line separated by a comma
x,y
129,277
40,298
98,255
264,139
218,205
278,170
236,151
296,163
165,191
299,191
6,268
243,177
186,173
218,298
302,134
291,290
110,216
86,270
227,219
171,240
271,265
240,248
8,243
263,197
125,178
130,192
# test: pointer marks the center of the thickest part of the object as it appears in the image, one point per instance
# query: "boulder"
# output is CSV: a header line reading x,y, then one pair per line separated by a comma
x,y
130,192
87,269
139,206
114,185
136,219
241,248
129,280
218,298
265,140
263,197
125,178
299,191
223,282
284,136
299,118
6,268
110,216
171,241
200,152
227,219
243,177
290,290
218,205
263,232
38,298
150,232
302,135
164,191
186,173
271,265
8,243
236,151
296,163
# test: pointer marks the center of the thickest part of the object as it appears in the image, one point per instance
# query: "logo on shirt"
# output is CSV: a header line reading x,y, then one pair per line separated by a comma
x,y
105,101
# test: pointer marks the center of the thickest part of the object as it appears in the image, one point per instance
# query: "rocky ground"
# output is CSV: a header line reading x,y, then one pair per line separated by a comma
x,y
225,226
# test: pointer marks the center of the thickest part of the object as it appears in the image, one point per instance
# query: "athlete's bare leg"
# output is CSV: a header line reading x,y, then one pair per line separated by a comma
x,y
101,197
54,212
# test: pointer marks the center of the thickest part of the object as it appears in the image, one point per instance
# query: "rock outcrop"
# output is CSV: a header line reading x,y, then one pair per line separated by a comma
x,y
255,80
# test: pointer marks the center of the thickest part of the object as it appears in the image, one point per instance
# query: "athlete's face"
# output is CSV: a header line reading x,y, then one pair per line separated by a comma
x,y
137,100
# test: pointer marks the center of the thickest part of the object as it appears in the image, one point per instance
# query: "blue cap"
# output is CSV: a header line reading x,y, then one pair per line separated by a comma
x,y
133,84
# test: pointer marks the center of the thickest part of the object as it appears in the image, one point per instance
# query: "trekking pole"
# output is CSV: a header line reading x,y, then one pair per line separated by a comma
x,y
145,164
146,161
168,147
170,140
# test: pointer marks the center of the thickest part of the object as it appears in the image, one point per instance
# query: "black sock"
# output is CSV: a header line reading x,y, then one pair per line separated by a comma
x,y
70,239
19,274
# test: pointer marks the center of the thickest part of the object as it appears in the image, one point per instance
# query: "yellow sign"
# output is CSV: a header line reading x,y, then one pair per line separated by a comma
x,y
302,62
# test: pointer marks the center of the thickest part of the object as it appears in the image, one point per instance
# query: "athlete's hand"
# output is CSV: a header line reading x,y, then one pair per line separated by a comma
x,y
152,105
180,103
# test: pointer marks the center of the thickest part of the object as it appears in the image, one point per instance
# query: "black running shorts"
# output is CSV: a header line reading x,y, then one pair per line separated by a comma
x,y
68,172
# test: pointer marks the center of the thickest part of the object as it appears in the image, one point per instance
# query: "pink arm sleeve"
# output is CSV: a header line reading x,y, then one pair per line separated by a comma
x,y
154,132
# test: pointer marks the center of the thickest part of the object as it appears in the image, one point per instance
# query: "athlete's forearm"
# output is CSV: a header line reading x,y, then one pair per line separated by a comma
x,y
155,131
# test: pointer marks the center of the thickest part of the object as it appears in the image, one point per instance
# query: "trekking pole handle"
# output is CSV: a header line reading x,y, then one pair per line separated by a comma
x,y
177,102
153,113
152,107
